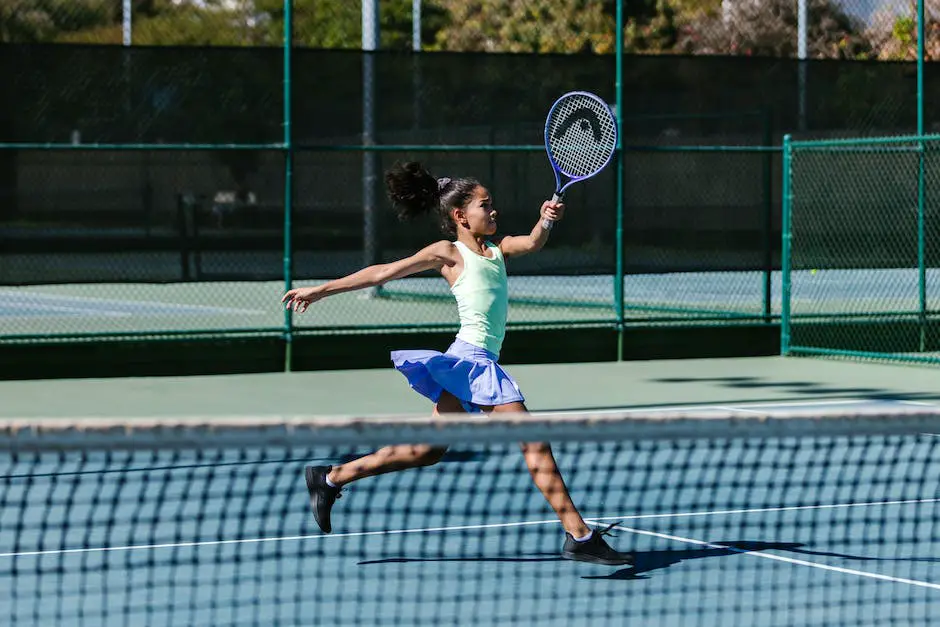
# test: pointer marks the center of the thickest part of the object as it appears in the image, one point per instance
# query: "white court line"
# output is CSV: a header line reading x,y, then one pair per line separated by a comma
x,y
758,510
526,523
807,403
739,410
63,310
83,300
319,536
666,408
788,560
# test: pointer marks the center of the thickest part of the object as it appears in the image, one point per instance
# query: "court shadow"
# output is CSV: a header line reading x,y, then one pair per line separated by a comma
x,y
796,387
532,557
865,558
650,561
728,380
645,561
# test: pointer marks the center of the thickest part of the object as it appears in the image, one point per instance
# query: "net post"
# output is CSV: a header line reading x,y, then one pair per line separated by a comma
x,y
785,286
619,174
288,182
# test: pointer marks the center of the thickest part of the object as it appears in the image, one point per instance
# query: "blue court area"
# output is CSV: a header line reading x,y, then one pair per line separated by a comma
x,y
726,531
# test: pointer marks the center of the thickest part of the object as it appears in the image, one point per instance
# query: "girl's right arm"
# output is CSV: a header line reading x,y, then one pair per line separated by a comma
x,y
433,257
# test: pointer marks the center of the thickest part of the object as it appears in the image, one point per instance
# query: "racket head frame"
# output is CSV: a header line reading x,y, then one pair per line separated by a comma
x,y
556,168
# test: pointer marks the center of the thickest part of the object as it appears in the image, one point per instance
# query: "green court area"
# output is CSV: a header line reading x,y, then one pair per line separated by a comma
x,y
547,387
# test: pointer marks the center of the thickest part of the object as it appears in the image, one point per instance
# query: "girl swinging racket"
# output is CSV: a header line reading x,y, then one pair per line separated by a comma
x,y
467,377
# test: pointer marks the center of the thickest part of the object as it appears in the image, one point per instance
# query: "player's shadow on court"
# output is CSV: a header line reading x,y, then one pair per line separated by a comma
x,y
532,557
649,561
645,561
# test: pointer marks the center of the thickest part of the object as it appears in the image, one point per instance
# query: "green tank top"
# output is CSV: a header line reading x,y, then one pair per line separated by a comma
x,y
482,294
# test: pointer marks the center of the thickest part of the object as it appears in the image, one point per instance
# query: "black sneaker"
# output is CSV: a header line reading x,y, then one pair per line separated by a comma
x,y
595,550
322,495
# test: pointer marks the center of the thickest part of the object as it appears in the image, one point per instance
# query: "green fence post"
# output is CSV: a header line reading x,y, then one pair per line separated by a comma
x,y
288,183
768,207
785,249
619,173
922,246
921,182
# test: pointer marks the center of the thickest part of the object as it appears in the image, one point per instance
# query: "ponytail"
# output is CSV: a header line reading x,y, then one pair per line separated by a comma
x,y
414,191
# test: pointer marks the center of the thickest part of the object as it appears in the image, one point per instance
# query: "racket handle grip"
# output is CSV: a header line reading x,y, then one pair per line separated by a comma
x,y
546,223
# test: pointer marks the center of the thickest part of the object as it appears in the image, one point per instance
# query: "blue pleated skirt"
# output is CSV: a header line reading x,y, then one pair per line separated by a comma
x,y
468,372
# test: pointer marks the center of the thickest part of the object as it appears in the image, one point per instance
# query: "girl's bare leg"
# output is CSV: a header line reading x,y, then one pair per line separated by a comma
x,y
548,479
398,457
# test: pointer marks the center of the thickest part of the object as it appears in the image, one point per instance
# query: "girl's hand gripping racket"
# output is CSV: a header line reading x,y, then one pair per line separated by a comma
x,y
580,138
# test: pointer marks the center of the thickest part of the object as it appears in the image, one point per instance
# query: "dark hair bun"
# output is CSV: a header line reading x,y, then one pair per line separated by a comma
x,y
412,189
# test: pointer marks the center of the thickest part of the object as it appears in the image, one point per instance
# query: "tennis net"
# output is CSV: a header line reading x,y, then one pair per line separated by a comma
x,y
734,519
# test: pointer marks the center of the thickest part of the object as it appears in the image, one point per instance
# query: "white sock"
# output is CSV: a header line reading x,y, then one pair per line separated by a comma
x,y
330,483
585,538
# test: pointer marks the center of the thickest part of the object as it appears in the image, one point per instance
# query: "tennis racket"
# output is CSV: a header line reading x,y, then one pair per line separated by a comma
x,y
580,138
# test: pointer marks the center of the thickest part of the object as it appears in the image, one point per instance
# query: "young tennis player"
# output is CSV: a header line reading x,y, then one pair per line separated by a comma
x,y
467,377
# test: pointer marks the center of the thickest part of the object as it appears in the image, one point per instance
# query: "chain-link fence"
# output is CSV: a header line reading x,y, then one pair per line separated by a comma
x,y
157,169
862,238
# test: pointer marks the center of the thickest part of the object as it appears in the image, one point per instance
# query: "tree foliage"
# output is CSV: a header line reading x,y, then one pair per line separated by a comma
x,y
893,33
316,23
31,21
658,26
769,28
739,27
540,26
319,24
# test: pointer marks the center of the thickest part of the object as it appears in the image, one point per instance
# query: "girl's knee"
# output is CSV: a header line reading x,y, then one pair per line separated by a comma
x,y
427,455
448,404
536,448
413,455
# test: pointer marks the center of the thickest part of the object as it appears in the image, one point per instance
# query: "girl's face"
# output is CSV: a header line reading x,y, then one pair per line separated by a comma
x,y
478,216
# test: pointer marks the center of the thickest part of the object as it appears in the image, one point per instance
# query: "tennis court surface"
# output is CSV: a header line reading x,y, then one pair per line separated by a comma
x,y
752,491
115,308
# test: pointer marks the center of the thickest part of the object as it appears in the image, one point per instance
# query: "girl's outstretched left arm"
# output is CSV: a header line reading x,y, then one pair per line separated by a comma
x,y
516,245
433,257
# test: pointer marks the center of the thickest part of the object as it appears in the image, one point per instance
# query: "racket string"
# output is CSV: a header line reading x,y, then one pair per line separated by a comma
x,y
581,136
